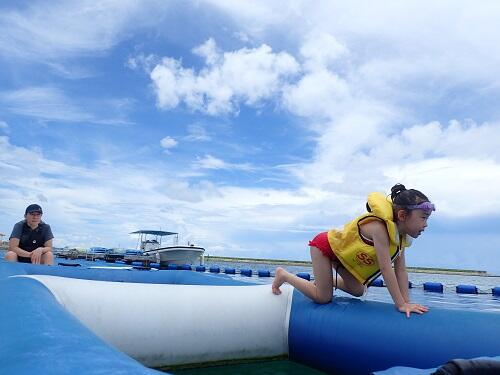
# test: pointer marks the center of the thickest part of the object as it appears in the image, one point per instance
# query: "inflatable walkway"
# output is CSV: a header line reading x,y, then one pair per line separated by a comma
x,y
57,320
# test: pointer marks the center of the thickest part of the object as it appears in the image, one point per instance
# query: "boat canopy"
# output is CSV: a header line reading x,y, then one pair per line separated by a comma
x,y
154,232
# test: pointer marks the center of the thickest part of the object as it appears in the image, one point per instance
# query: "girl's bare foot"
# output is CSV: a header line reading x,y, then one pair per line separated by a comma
x,y
279,279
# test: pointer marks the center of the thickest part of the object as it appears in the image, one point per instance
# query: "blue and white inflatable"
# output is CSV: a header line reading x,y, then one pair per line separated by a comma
x,y
60,320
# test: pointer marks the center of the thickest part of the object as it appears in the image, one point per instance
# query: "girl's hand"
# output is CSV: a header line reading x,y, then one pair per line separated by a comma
x,y
409,308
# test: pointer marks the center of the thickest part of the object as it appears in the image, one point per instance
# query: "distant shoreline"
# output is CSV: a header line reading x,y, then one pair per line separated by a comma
x,y
446,271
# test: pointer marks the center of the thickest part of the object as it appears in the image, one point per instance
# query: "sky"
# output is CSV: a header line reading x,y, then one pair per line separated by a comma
x,y
249,127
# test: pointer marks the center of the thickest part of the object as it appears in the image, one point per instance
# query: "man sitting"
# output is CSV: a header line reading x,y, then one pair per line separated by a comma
x,y
31,239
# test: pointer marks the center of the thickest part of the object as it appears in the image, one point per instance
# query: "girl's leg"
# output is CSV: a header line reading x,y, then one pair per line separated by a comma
x,y
348,283
322,290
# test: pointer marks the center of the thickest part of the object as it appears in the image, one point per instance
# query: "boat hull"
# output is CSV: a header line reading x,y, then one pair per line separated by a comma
x,y
179,255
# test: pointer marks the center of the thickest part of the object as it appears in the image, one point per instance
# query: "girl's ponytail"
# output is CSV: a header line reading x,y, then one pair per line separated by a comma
x,y
396,190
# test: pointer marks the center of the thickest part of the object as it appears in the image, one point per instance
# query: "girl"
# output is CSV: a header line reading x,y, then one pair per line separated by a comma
x,y
365,248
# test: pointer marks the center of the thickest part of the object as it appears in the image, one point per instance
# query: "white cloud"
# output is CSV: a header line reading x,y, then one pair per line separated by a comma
x,y
246,75
4,126
209,51
168,142
357,83
105,195
57,29
453,163
461,187
256,17
210,162
47,103
145,62
197,132
320,93
364,75
52,104
321,50
394,47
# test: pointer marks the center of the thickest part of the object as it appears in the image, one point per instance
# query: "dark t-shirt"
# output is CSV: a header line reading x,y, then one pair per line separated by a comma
x,y
30,239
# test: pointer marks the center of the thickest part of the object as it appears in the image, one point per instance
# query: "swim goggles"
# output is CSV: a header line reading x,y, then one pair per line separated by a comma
x,y
426,206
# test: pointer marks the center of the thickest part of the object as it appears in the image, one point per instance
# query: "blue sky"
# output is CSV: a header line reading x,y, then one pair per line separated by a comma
x,y
248,127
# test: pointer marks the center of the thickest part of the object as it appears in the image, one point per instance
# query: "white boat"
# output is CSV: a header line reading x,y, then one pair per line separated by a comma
x,y
150,243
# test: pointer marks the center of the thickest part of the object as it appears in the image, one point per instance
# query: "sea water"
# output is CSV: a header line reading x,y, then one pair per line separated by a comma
x,y
278,367
484,300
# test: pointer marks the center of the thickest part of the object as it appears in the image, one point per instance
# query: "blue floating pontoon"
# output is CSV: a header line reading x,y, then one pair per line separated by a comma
x,y
60,320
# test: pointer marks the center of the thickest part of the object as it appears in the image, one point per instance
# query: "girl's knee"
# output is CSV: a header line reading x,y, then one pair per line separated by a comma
x,y
358,292
323,298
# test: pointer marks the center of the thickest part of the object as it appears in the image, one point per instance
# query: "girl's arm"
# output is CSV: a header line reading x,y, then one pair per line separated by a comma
x,y
402,276
378,233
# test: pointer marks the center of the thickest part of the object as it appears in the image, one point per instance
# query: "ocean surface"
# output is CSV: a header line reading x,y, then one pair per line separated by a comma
x,y
449,281
484,300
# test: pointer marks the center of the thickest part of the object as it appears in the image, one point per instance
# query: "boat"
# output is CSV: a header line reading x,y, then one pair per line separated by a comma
x,y
150,243
114,254
134,255
70,252
96,252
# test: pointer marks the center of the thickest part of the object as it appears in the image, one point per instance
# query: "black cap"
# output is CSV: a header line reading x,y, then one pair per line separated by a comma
x,y
33,208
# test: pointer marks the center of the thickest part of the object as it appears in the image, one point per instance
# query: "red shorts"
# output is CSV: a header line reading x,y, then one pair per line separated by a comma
x,y
321,242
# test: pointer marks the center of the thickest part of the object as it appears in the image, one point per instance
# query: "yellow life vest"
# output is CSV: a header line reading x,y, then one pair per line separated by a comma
x,y
356,253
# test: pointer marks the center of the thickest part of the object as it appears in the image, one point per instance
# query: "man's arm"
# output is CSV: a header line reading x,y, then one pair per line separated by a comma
x,y
36,255
47,246
14,246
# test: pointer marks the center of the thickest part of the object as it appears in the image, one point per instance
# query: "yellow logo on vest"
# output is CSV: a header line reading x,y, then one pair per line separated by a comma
x,y
364,259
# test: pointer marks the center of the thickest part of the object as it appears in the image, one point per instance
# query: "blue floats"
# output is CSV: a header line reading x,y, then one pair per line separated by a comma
x,y
495,291
264,273
172,266
200,269
377,282
433,287
185,267
304,275
154,265
214,269
246,272
466,289
229,271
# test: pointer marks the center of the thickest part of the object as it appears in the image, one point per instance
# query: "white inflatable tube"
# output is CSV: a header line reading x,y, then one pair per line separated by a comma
x,y
163,324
